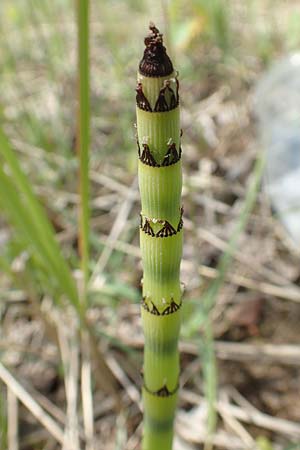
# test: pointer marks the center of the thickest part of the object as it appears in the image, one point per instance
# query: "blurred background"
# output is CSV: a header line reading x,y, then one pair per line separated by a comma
x,y
240,347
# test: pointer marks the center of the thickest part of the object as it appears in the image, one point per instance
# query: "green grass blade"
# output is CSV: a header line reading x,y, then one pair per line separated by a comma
x,y
210,376
83,134
25,211
17,212
3,420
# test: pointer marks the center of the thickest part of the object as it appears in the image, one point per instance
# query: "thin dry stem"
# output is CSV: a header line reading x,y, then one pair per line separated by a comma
x,y
36,410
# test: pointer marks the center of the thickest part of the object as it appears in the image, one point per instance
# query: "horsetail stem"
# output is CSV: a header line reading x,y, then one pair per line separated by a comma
x,y
160,183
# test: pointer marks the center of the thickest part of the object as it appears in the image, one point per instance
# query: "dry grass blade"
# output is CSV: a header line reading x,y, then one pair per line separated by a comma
x,y
12,421
116,230
69,349
250,415
217,242
287,293
234,424
87,392
266,353
283,354
193,430
103,375
285,427
133,441
179,444
36,410
120,375
111,184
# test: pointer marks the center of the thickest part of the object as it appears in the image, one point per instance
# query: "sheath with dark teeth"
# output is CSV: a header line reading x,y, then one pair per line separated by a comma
x,y
172,156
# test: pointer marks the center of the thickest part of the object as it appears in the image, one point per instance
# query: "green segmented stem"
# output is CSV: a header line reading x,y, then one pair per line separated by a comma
x,y
160,183
158,127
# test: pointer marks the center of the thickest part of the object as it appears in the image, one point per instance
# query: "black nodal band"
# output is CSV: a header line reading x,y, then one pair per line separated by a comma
x,y
180,224
162,104
139,148
153,310
177,89
166,100
147,228
155,61
171,157
146,157
163,391
167,229
172,308
144,304
141,100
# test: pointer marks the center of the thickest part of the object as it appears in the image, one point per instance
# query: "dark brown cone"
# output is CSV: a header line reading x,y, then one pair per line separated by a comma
x,y
155,62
